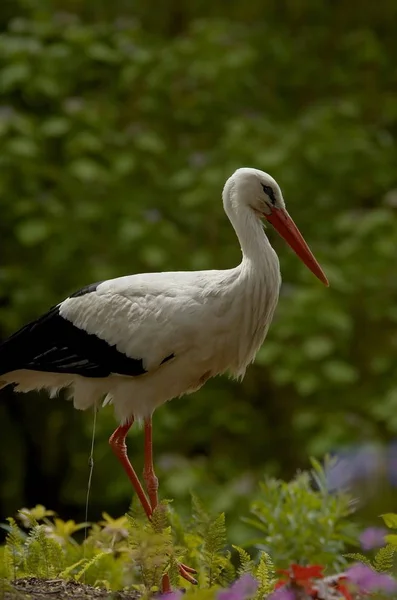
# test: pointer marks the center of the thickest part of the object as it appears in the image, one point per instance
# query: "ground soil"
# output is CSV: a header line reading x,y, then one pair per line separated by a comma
x,y
59,589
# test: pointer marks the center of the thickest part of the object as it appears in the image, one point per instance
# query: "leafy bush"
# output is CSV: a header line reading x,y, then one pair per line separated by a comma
x,y
117,552
298,522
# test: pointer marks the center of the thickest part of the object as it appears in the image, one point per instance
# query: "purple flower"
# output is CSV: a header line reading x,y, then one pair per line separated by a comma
x,y
373,537
282,594
242,589
368,580
176,595
354,466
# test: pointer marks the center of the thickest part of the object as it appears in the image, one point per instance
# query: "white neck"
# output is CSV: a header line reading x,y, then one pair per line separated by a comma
x,y
255,246
258,279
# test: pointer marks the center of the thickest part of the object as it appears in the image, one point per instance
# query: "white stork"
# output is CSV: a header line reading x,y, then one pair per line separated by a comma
x,y
141,340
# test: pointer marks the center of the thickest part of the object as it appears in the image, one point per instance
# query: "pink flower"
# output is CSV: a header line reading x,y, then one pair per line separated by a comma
x,y
368,580
373,537
282,594
242,589
176,595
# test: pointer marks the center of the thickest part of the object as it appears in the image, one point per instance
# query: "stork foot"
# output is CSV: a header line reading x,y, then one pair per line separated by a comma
x,y
185,572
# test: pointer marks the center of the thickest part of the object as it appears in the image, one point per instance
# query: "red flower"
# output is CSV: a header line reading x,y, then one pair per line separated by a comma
x,y
342,588
285,579
301,576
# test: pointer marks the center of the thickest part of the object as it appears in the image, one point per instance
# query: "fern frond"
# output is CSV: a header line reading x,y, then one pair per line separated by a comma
x,y
66,573
359,558
44,556
89,564
214,544
227,573
383,560
150,551
6,565
15,548
216,535
200,517
160,519
246,563
265,575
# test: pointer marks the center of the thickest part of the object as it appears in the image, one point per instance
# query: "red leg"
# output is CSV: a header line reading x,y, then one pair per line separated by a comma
x,y
152,486
119,447
152,483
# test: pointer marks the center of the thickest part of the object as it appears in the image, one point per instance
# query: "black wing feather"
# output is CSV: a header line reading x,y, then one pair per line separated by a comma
x,y
53,344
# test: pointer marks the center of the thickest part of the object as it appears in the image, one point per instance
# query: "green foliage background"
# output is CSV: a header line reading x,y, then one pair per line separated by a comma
x,y
119,123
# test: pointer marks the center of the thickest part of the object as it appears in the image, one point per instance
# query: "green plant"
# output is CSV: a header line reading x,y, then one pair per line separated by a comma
x,y
128,551
39,554
299,521
201,542
302,521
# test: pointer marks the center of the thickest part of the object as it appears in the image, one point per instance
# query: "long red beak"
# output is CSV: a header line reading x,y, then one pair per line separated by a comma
x,y
285,226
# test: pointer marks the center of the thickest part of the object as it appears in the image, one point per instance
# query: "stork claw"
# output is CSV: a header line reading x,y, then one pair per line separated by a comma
x,y
188,569
185,571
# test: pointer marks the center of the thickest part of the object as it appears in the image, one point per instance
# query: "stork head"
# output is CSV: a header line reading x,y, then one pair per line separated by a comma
x,y
262,194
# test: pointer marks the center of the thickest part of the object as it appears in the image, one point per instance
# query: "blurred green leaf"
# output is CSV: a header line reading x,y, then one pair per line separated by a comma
x,y
32,232
390,520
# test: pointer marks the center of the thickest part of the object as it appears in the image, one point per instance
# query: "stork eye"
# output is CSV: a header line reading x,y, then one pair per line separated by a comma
x,y
269,192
